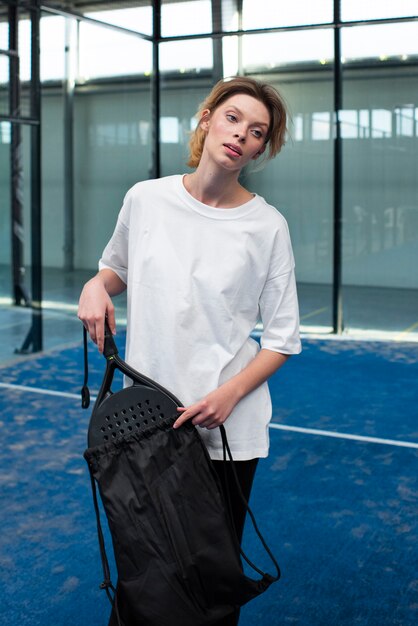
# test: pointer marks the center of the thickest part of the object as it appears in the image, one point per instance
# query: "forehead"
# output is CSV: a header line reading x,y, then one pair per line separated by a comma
x,y
249,106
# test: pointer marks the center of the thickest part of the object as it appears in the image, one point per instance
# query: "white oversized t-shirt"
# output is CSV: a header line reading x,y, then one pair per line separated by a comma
x,y
198,280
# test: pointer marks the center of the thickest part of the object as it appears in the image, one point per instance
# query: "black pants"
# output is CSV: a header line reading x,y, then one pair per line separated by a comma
x,y
245,472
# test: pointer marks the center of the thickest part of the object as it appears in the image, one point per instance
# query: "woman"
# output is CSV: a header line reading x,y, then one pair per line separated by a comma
x,y
202,259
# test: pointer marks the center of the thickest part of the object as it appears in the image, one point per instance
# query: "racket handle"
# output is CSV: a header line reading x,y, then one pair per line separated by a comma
x,y
110,348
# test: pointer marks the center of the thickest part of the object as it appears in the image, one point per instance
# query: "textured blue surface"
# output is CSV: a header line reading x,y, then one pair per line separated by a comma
x,y
340,515
363,388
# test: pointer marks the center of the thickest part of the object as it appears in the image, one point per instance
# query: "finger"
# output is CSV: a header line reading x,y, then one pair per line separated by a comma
x,y
100,335
182,419
92,331
204,423
179,422
111,319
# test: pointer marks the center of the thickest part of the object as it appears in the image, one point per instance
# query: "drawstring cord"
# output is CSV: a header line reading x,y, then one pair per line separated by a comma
x,y
107,583
227,450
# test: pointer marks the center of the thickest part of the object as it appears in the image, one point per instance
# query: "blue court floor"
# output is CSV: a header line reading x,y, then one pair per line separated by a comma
x,y
337,499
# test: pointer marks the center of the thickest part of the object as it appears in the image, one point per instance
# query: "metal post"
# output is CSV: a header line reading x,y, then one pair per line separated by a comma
x,y
218,64
155,91
337,305
36,207
20,295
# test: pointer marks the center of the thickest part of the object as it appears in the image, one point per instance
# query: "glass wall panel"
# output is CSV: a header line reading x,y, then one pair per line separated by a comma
x,y
284,49
186,18
15,321
53,176
107,95
375,9
61,286
25,65
4,28
388,42
299,183
110,150
180,100
52,62
182,57
133,18
105,52
112,138
380,230
271,13
4,84
25,46
52,43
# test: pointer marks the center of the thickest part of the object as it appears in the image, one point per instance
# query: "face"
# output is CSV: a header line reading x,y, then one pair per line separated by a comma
x,y
236,131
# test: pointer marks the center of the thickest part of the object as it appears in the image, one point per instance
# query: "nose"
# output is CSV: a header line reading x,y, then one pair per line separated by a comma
x,y
240,135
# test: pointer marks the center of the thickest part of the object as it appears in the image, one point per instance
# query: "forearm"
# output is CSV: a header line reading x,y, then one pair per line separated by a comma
x,y
110,281
96,304
263,365
212,410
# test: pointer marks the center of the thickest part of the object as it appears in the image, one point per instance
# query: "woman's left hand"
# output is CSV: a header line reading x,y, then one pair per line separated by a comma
x,y
215,408
211,411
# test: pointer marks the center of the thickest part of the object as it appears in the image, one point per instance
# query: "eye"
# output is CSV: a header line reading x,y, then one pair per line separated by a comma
x,y
257,133
231,117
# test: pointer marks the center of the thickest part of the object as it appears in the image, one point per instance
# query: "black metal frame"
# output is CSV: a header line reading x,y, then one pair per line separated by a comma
x,y
156,91
337,300
20,294
34,338
33,341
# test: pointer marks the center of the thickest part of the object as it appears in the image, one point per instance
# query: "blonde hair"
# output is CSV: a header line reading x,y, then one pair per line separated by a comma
x,y
265,93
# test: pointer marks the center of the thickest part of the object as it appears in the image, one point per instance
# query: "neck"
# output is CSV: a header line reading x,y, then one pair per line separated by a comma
x,y
216,188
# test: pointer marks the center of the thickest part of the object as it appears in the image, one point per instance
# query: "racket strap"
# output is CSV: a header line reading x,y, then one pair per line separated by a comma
x,y
227,453
107,584
85,392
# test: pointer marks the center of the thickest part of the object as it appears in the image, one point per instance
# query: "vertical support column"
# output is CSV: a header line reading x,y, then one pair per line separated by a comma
x,y
337,304
35,188
70,45
218,64
155,170
20,295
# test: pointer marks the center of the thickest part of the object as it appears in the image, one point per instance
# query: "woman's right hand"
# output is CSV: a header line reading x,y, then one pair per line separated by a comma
x,y
94,306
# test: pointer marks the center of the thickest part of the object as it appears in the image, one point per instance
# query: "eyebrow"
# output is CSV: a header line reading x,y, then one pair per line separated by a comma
x,y
232,106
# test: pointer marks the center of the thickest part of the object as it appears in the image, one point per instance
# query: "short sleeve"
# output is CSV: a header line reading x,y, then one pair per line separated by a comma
x,y
278,302
115,255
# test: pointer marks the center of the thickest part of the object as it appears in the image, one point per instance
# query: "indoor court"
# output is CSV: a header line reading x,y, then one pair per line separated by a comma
x,y
337,498
96,95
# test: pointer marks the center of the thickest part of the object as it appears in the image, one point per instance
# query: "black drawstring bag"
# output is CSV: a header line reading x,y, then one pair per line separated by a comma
x,y
176,552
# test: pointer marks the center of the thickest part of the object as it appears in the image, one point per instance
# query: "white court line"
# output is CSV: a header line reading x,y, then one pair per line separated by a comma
x,y
47,392
330,433
296,429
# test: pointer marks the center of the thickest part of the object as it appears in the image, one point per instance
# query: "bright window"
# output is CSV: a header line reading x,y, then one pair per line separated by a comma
x,y
375,9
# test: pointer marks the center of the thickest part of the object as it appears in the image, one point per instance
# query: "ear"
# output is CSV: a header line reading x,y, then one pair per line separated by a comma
x,y
204,120
259,153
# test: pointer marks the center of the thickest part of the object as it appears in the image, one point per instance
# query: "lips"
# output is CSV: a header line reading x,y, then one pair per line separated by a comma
x,y
233,148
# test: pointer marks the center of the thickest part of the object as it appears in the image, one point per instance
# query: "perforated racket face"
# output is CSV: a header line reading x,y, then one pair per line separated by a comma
x,y
125,412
